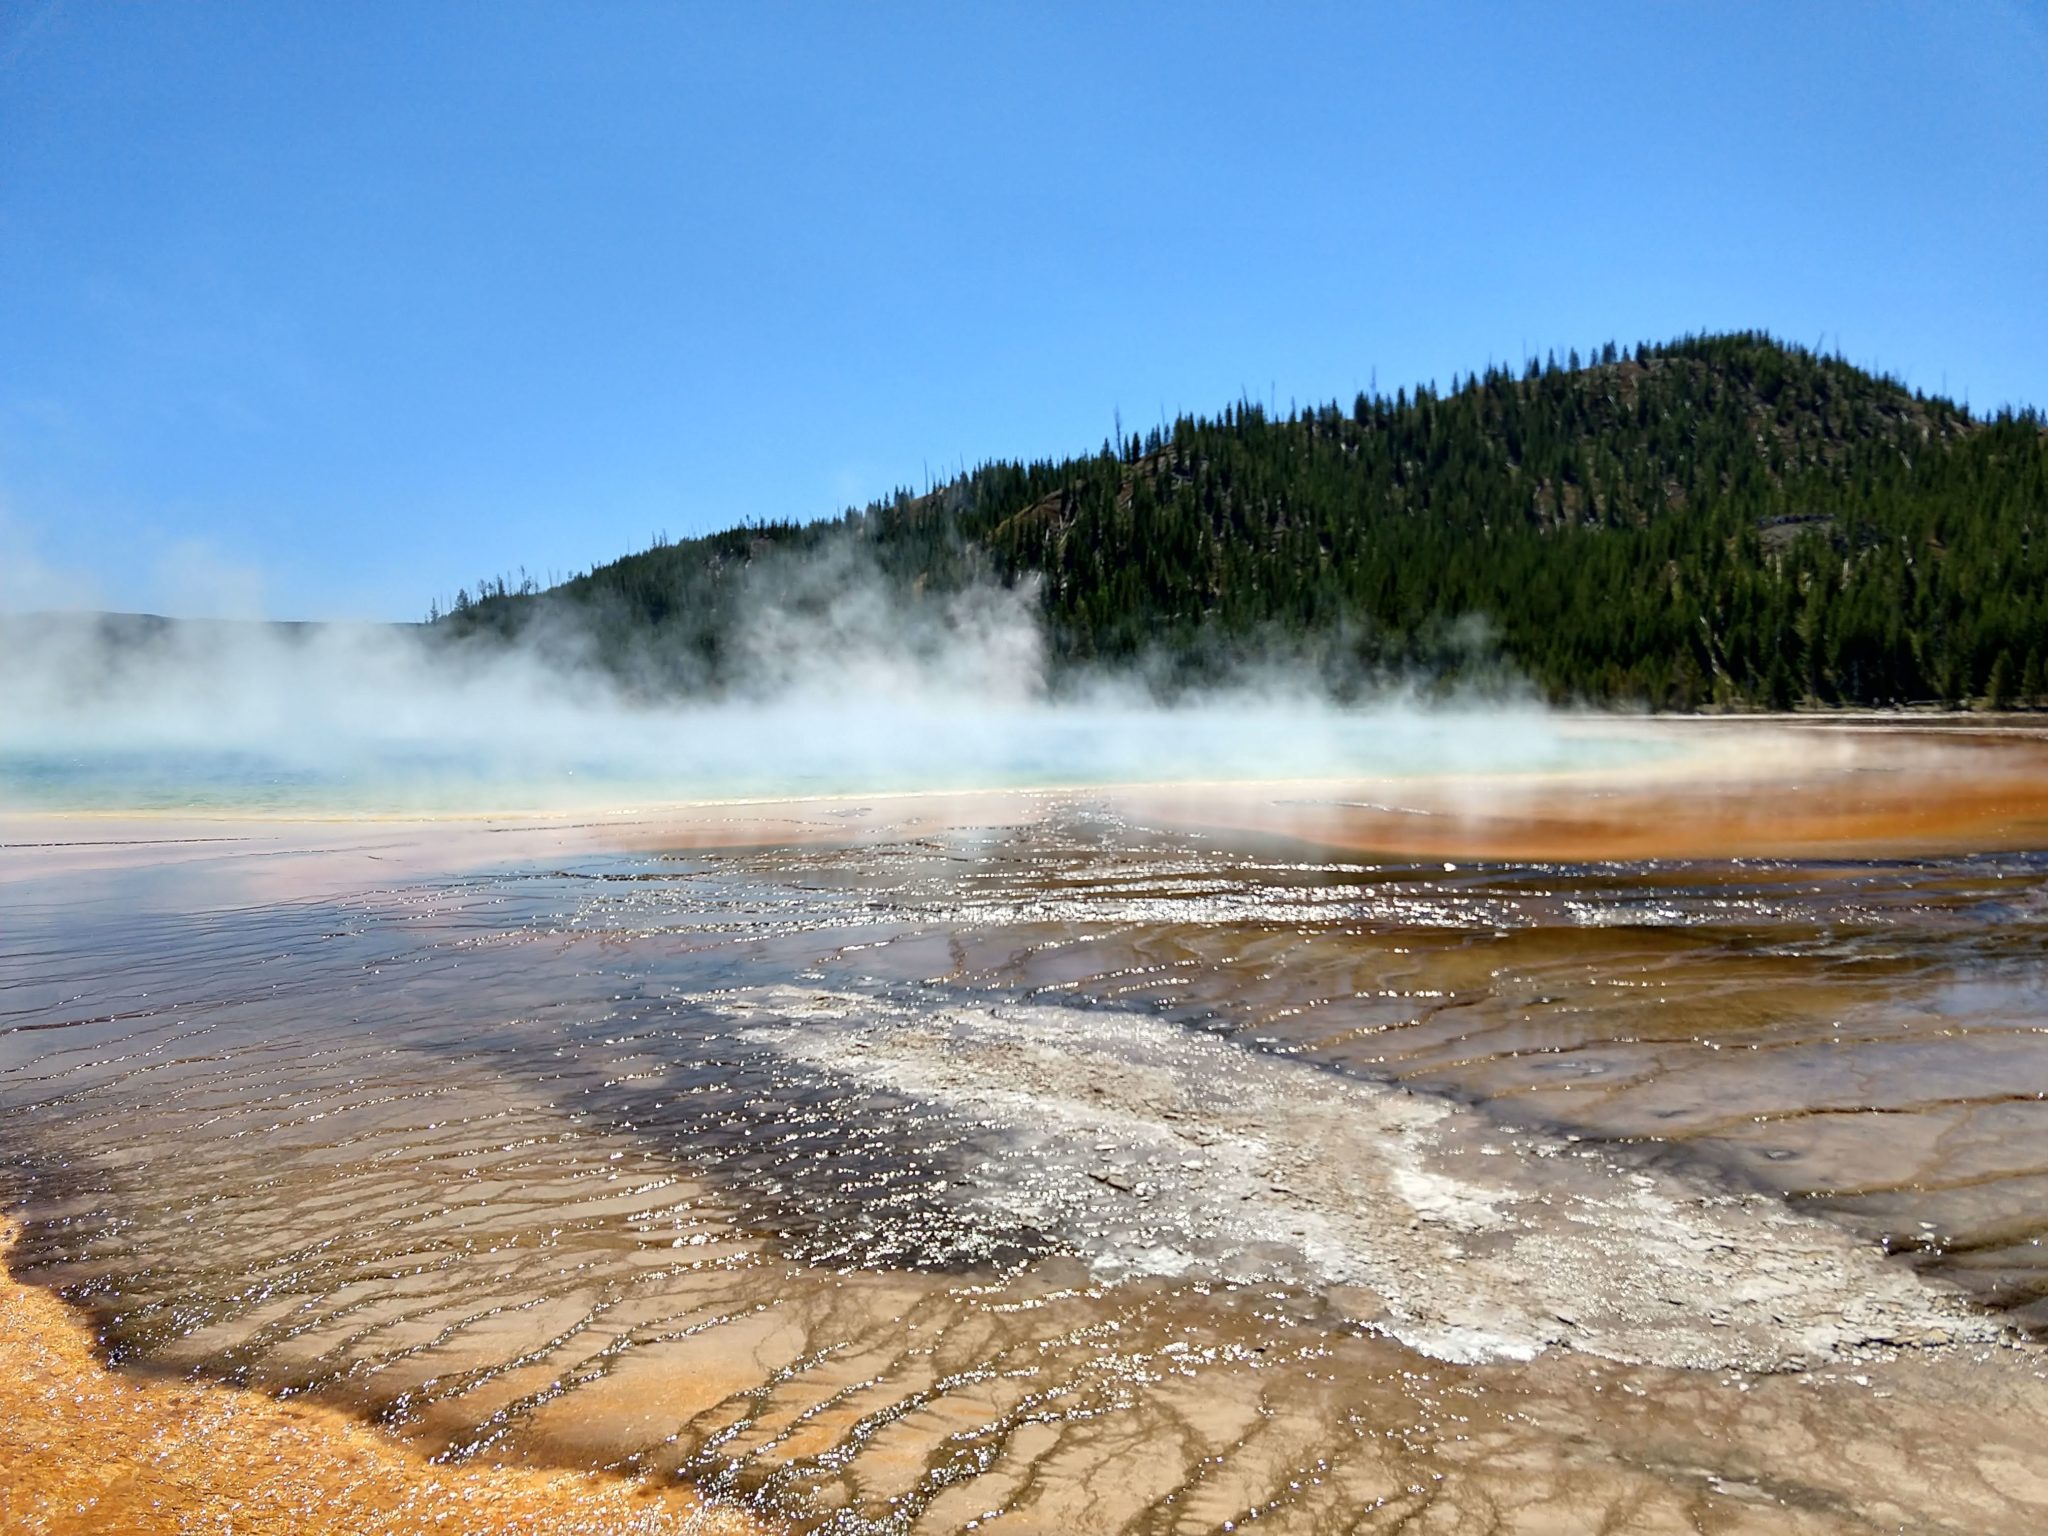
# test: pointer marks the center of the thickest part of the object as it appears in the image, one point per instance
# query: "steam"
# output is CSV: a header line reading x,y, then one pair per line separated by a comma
x,y
838,681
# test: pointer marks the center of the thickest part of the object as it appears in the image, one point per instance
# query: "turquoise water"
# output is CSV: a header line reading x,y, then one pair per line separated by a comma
x,y
732,754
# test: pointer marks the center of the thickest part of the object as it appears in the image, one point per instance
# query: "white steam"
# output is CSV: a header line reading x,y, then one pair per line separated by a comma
x,y
845,684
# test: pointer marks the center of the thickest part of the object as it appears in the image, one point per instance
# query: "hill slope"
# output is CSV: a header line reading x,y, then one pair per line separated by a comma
x,y
1724,520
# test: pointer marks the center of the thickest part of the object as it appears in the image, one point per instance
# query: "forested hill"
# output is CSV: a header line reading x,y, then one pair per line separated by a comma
x,y
1722,521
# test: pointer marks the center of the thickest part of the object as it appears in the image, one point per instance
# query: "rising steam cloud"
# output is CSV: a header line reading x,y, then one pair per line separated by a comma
x,y
842,682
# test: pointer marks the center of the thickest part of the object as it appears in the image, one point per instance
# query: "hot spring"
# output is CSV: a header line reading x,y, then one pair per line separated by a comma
x,y
1385,1120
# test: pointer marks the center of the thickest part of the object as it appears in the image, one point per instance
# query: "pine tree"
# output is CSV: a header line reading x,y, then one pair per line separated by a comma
x,y
1998,687
1737,522
1778,694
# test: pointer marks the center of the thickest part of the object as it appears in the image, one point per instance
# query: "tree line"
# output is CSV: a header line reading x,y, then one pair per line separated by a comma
x,y
1723,521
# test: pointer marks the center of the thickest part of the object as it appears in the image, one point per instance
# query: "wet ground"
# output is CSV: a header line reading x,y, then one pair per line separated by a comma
x,y
87,1451
1091,1160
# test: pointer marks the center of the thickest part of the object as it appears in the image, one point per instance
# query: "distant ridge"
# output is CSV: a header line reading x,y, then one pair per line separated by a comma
x,y
1721,521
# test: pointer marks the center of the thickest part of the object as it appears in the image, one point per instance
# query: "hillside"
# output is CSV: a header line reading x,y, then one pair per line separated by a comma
x,y
1722,521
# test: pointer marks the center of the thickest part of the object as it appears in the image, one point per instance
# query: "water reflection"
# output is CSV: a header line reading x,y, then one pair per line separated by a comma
x,y
1084,1170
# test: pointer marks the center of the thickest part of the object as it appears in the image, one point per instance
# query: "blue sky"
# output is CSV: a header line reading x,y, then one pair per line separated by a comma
x,y
323,310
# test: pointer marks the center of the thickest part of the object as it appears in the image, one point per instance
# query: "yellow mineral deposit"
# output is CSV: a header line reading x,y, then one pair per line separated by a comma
x,y
90,1451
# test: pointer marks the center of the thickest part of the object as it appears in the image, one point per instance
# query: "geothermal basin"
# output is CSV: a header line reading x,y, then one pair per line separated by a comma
x,y
1654,1140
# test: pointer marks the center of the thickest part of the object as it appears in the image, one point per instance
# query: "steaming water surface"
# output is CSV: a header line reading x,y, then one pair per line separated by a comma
x,y
1061,1164
612,756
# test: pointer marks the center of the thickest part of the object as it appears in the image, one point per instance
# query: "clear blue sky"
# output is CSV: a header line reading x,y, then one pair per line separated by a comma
x,y
338,306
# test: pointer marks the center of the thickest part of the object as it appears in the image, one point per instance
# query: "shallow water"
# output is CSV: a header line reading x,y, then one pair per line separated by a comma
x,y
614,756
1072,1164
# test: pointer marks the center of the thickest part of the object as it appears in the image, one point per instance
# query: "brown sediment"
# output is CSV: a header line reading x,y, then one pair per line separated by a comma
x,y
1751,791
86,1450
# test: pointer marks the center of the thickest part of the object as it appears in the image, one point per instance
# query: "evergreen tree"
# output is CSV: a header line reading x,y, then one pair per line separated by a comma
x,y
1723,520
1998,687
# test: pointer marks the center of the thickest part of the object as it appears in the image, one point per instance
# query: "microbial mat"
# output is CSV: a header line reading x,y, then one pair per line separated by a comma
x,y
1648,1147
